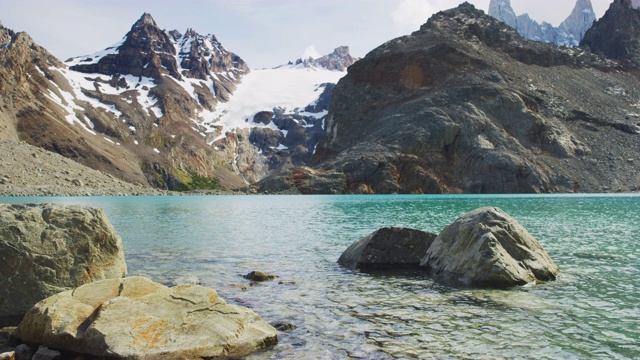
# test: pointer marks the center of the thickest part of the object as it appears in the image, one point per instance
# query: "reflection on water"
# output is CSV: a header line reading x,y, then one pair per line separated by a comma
x,y
592,311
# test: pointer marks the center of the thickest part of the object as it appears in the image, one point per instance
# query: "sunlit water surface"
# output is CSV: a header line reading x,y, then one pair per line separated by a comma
x,y
591,311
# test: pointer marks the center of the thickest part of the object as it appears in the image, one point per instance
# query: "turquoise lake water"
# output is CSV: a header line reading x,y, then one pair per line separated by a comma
x,y
591,311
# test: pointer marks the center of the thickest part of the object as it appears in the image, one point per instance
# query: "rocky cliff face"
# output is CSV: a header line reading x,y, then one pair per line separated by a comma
x,y
466,104
569,33
617,34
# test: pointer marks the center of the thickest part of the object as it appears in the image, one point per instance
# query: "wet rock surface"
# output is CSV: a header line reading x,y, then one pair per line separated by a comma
x,y
388,249
488,248
137,318
260,276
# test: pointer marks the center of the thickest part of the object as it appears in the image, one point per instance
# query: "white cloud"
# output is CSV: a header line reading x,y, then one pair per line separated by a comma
x,y
410,14
311,52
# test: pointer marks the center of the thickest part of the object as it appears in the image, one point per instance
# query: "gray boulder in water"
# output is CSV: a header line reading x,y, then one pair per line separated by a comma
x,y
46,249
387,249
136,318
487,247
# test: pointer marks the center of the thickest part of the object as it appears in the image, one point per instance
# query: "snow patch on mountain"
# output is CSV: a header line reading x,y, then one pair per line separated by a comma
x,y
95,57
290,88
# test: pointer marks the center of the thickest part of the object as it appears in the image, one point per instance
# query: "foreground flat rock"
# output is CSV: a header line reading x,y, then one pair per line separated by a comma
x,y
136,318
46,249
387,249
487,247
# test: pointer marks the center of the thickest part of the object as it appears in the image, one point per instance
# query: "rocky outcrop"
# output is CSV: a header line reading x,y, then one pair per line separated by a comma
x,y
617,34
388,249
145,51
466,104
46,249
569,33
487,247
135,318
340,59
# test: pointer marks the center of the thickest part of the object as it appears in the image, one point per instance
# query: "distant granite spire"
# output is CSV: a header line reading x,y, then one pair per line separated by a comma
x,y
580,20
502,10
569,33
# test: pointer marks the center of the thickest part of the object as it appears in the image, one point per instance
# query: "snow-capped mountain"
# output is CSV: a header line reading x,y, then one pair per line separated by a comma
x,y
569,33
178,107
280,111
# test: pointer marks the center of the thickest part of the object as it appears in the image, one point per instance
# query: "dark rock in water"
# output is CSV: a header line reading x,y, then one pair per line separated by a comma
x,y
24,352
488,248
260,276
282,325
287,282
45,353
387,249
45,249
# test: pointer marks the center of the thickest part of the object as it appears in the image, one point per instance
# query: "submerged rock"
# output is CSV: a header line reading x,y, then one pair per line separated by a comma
x,y
260,276
387,248
46,249
137,318
487,247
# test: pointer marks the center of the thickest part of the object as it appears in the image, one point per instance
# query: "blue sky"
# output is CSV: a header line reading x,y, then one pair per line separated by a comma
x,y
265,33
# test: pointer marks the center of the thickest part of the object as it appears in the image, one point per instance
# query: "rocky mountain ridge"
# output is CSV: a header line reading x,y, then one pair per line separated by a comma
x,y
340,59
569,33
466,104
148,109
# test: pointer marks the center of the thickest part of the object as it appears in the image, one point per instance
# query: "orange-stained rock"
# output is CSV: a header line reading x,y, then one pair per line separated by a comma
x,y
145,320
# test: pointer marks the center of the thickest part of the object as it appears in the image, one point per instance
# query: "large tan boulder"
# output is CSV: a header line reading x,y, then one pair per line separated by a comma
x,y
136,318
388,248
487,247
46,249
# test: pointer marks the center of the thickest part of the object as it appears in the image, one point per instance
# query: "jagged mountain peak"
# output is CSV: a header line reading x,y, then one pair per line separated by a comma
x,y
145,19
616,34
580,20
501,9
340,59
465,19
